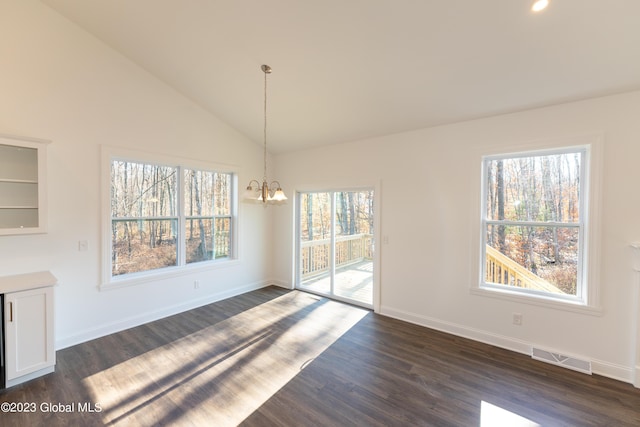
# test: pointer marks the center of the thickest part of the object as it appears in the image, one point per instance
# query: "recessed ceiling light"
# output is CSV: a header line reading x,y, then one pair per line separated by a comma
x,y
539,5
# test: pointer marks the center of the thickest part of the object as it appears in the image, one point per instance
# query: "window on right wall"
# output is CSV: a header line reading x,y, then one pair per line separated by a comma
x,y
534,223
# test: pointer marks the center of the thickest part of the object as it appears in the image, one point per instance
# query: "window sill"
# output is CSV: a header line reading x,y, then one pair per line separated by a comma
x,y
541,301
165,273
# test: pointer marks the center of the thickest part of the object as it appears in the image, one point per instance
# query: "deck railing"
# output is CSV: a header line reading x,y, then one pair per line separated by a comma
x,y
504,271
359,247
349,250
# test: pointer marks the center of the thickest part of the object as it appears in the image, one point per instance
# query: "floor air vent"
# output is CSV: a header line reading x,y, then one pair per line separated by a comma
x,y
569,362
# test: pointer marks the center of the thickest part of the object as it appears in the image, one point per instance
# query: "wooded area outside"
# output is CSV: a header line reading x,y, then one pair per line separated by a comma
x,y
146,216
533,211
342,247
354,214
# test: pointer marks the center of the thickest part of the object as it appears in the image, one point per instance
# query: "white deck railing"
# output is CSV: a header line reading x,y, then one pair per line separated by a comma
x,y
359,247
503,270
349,250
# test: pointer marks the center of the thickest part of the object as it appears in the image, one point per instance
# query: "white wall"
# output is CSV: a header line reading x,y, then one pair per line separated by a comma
x,y
429,211
61,84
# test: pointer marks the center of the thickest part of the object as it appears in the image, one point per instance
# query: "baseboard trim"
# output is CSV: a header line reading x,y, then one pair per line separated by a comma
x,y
599,367
133,321
613,371
461,331
281,284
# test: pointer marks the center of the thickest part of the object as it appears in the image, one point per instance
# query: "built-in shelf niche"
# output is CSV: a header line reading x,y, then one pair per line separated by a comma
x,y
22,185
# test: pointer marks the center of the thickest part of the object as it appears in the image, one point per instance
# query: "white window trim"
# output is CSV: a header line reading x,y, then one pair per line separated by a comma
x,y
589,301
108,154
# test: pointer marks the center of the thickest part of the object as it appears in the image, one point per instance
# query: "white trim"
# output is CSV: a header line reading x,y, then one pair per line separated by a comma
x,y
538,300
150,316
123,153
556,149
610,370
41,147
496,340
132,279
110,153
636,258
377,253
336,297
376,188
587,299
281,284
613,371
636,328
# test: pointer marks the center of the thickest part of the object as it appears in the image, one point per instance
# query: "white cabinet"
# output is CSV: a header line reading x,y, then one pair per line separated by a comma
x,y
22,186
28,324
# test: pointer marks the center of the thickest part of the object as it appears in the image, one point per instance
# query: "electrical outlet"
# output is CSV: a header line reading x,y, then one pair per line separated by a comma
x,y
517,319
83,245
196,284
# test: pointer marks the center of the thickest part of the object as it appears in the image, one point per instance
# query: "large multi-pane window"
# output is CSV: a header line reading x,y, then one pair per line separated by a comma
x,y
166,216
534,214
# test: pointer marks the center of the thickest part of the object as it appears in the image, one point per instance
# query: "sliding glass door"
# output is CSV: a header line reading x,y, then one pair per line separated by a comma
x,y
335,244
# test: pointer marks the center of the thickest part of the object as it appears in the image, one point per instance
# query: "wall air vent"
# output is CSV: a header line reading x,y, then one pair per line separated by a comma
x,y
570,362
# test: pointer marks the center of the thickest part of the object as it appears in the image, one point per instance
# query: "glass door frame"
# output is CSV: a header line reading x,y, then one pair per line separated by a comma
x,y
332,268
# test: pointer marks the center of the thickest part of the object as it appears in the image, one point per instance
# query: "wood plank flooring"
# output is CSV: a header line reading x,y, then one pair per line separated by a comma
x,y
285,358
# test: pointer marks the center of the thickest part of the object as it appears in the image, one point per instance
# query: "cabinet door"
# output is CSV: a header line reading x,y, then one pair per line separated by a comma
x,y
29,343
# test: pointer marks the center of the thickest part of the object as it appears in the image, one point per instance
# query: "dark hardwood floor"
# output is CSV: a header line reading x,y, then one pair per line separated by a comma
x,y
286,358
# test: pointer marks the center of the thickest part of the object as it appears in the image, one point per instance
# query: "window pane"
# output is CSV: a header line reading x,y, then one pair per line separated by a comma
x,y
199,240
537,188
315,241
143,245
151,227
207,193
223,237
538,258
201,245
198,193
222,195
142,190
354,227
353,252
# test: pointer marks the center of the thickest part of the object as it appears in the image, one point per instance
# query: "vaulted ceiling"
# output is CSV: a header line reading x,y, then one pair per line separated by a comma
x,y
350,69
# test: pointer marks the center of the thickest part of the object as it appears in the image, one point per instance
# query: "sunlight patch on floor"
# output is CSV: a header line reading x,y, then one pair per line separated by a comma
x,y
495,416
221,374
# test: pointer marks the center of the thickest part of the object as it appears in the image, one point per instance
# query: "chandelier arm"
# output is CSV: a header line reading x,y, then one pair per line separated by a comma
x,y
251,184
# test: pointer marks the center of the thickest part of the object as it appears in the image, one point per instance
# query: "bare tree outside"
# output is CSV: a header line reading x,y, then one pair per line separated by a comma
x,y
145,216
208,215
336,239
533,216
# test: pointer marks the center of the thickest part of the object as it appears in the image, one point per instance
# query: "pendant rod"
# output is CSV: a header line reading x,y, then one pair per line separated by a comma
x,y
267,70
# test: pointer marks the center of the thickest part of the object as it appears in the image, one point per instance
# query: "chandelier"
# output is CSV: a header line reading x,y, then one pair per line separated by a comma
x,y
255,191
